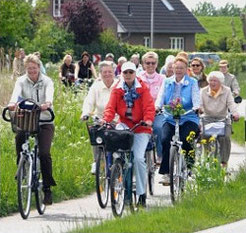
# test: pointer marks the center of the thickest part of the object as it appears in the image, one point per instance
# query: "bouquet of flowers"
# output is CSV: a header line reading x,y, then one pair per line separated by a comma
x,y
175,107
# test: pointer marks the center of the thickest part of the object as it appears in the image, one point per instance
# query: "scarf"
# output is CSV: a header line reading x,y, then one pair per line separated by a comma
x,y
215,94
130,95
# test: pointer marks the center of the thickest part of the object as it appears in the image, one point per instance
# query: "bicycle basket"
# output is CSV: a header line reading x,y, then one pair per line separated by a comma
x,y
96,136
25,119
118,140
214,128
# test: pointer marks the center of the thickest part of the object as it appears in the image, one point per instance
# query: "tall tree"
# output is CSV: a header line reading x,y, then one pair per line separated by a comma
x,y
15,20
204,9
83,18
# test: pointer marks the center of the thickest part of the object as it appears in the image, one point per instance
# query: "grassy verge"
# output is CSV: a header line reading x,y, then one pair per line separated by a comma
x,y
239,131
211,208
71,151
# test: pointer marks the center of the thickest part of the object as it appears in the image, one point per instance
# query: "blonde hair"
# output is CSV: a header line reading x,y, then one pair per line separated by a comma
x,y
122,59
31,58
181,59
66,56
183,54
150,54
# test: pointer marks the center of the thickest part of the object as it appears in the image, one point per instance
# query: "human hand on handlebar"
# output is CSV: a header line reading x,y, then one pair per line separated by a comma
x,y
148,123
45,106
235,116
12,106
84,118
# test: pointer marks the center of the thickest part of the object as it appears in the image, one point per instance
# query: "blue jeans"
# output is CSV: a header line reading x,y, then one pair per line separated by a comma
x,y
168,130
139,146
157,129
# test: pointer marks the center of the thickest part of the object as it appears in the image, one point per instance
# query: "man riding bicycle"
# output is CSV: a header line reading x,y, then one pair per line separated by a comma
x,y
38,87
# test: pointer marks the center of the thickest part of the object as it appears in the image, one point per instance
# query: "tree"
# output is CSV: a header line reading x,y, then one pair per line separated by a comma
x,y
15,20
204,9
83,18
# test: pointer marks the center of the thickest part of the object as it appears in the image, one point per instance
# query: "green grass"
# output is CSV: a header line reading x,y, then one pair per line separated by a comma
x,y
71,151
211,208
239,131
242,83
222,29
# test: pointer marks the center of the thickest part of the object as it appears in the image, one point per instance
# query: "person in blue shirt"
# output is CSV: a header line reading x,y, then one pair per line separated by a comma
x,y
185,88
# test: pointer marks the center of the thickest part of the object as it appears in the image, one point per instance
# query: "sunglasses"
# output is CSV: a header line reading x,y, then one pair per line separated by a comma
x,y
150,63
195,65
128,71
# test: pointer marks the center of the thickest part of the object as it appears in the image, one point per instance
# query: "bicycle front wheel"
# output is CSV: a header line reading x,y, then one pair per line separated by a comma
x,y
176,185
39,194
102,180
117,189
24,187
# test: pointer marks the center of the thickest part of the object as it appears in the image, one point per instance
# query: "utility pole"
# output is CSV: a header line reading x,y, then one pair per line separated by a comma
x,y
152,24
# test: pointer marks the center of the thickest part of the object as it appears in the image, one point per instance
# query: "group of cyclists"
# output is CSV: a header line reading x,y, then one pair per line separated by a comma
x,y
135,93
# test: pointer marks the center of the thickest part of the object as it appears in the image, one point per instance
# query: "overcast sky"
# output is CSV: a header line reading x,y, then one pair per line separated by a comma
x,y
191,4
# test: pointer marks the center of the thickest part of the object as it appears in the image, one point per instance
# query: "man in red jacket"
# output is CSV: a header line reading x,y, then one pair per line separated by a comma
x,y
132,101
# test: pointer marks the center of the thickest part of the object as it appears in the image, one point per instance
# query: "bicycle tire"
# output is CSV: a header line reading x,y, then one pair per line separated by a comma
x,y
175,175
117,189
39,194
151,172
24,189
102,180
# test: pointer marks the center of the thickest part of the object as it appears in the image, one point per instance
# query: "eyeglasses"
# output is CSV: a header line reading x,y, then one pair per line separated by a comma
x,y
128,71
195,65
150,63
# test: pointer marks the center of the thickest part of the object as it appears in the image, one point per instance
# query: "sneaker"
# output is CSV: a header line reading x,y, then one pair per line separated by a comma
x,y
142,201
93,168
47,197
165,180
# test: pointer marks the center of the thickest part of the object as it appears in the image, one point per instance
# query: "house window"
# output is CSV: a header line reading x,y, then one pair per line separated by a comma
x,y
57,8
168,5
177,43
147,41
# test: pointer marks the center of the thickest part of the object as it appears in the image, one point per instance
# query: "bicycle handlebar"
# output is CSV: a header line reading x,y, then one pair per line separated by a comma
x,y
4,114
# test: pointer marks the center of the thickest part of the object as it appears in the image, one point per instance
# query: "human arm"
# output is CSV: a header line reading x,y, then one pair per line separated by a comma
x,y
76,71
160,98
110,109
232,106
148,107
235,86
195,96
89,102
49,95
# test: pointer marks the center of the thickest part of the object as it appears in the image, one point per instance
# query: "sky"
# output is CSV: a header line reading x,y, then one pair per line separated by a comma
x,y
191,4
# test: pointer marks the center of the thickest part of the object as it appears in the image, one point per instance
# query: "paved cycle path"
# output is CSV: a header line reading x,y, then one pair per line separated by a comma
x,y
67,215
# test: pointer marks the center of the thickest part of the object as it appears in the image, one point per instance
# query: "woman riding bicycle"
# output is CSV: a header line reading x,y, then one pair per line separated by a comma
x,y
153,80
67,69
216,102
98,96
181,86
132,101
35,85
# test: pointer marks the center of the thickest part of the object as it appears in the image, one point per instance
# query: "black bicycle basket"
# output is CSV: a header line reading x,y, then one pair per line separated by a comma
x,y
25,118
96,134
118,140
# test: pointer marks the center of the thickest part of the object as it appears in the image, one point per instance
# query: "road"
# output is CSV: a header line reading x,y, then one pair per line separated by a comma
x,y
64,216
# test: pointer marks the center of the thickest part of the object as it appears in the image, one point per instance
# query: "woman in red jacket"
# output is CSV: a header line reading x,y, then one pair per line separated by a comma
x,y
132,101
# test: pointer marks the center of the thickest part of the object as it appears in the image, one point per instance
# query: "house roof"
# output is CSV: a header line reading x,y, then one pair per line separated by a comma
x,y
135,15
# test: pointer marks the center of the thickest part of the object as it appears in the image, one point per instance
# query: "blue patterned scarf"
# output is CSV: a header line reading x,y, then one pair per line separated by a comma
x,y
130,94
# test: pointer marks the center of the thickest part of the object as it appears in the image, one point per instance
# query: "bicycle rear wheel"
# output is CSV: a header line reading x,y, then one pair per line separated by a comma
x,y
117,189
102,180
151,171
39,194
176,182
24,186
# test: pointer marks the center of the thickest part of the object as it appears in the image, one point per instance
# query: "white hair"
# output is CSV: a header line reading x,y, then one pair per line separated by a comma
x,y
169,59
216,74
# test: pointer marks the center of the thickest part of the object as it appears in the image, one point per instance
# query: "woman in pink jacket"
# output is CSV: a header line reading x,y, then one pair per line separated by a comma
x,y
154,82
132,101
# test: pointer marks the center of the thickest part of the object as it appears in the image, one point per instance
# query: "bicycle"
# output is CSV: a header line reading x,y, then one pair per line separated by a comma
x,y
150,156
29,176
103,162
123,183
177,164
